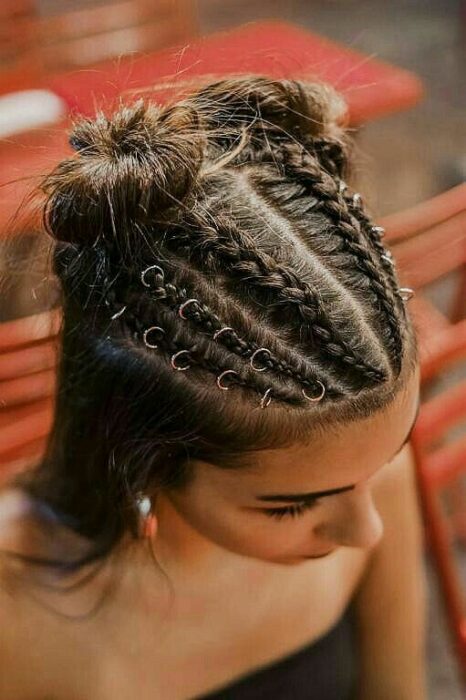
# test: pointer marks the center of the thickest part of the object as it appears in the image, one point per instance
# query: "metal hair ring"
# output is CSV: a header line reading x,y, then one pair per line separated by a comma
x,y
146,333
357,199
266,399
251,360
173,360
313,399
144,272
220,376
185,303
118,313
221,330
406,293
379,230
388,258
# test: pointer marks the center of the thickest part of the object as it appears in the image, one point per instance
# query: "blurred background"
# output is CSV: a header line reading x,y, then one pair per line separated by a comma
x,y
402,66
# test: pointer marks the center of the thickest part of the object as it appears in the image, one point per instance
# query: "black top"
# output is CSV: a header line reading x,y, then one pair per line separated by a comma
x,y
323,670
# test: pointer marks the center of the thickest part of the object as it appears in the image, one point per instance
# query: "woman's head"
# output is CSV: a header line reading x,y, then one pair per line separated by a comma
x,y
224,294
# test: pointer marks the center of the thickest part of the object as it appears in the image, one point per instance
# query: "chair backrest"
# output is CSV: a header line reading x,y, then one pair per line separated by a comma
x,y
37,38
441,471
95,32
28,358
19,65
429,239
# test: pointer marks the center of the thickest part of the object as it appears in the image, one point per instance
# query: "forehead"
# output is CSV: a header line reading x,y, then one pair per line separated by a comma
x,y
341,455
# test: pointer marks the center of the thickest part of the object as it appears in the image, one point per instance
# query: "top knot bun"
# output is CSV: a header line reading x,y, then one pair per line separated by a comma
x,y
137,166
129,169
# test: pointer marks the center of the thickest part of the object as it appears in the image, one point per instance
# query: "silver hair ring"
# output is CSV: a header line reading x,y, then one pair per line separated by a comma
x,y
118,313
265,398
219,378
342,186
406,293
357,199
251,360
379,230
388,259
221,330
173,358
144,272
185,303
315,398
146,333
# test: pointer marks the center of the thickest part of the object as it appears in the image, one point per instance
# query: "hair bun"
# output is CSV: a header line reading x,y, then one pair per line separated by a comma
x,y
129,169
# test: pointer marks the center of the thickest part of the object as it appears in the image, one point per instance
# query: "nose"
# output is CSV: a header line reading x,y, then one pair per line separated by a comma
x,y
354,521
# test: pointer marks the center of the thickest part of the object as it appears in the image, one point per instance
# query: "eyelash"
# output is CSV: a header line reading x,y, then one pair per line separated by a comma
x,y
290,511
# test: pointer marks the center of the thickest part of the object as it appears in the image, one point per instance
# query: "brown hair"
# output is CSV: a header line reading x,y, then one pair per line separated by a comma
x,y
228,209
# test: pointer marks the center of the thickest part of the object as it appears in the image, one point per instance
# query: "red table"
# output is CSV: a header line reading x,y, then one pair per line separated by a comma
x,y
371,87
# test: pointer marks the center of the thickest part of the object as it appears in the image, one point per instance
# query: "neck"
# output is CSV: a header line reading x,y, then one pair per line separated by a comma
x,y
185,554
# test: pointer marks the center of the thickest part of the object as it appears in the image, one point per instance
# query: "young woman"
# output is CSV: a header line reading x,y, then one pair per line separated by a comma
x,y
226,507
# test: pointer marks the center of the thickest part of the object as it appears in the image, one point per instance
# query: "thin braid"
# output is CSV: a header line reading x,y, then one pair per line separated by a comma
x,y
355,205
227,243
133,319
304,167
209,322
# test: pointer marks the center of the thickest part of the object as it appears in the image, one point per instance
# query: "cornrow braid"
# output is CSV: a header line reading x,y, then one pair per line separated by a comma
x,y
374,235
178,300
226,244
331,154
305,168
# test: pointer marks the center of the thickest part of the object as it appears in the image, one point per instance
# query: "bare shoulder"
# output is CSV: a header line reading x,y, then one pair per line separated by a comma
x,y
14,509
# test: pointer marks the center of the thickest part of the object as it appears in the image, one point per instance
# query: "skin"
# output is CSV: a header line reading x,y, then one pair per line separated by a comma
x,y
219,513
219,548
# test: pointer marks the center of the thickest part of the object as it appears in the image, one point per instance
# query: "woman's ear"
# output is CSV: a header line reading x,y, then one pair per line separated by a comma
x,y
147,518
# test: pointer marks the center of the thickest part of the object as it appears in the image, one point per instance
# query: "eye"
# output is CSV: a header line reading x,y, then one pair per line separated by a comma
x,y
290,511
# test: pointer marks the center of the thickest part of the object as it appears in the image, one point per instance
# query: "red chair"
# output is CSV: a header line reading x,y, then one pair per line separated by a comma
x,y
28,356
34,43
371,87
441,470
428,242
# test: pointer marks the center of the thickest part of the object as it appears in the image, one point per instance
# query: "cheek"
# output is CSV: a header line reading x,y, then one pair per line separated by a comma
x,y
248,533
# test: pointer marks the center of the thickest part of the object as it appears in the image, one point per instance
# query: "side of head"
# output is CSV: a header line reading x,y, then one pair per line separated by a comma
x,y
224,294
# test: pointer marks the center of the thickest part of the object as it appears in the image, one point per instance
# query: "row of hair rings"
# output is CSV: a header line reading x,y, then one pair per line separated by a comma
x,y
266,398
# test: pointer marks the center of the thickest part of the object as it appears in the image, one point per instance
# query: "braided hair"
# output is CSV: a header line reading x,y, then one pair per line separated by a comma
x,y
213,263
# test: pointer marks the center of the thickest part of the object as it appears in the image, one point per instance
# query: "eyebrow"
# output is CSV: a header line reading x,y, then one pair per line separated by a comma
x,y
299,497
